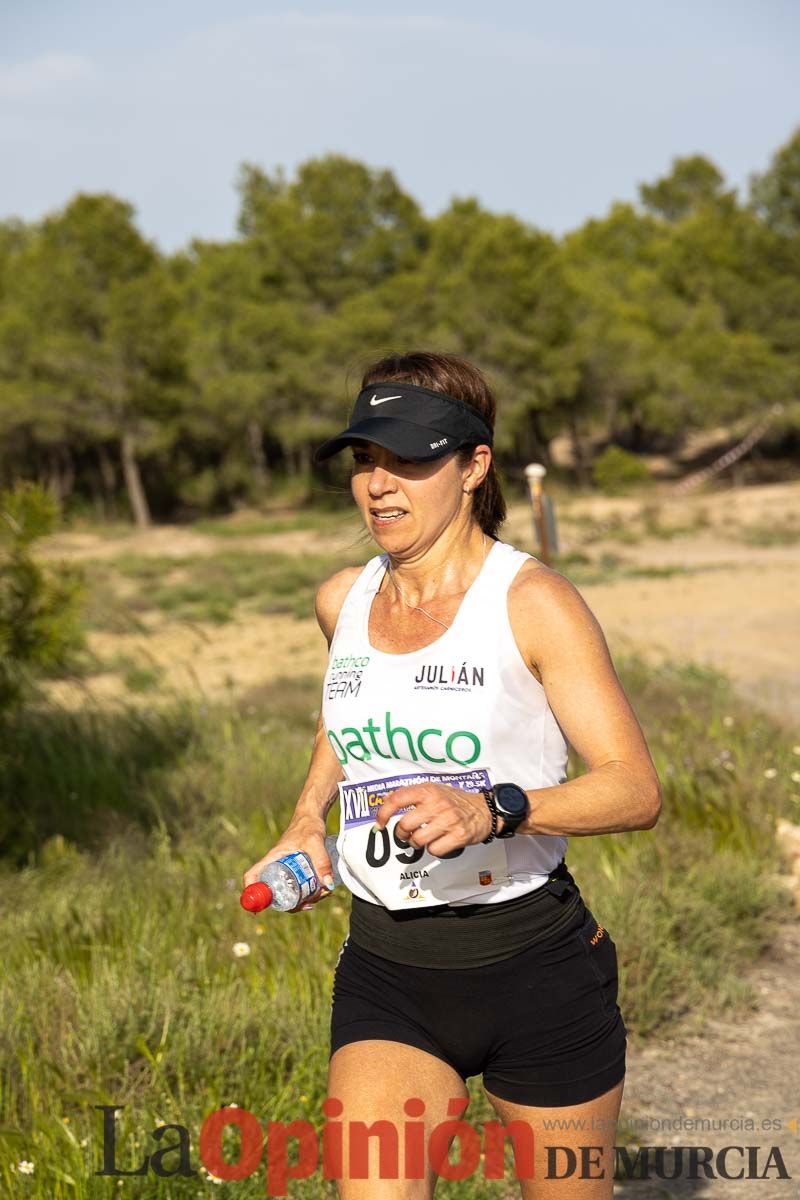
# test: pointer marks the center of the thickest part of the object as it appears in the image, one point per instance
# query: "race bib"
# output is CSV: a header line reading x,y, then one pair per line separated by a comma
x,y
400,875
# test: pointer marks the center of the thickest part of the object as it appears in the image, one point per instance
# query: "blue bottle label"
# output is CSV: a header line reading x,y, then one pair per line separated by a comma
x,y
304,873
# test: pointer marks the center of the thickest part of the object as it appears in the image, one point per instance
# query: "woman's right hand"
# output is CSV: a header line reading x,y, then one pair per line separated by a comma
x,y
307,834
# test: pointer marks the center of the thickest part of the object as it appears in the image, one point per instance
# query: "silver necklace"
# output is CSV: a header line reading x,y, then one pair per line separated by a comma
x,y
416,607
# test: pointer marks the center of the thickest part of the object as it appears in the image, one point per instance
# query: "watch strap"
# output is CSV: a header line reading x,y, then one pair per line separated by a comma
x,y
488,796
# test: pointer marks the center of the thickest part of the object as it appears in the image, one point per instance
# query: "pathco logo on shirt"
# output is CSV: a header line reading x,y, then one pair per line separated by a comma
x,y
448,677
345,675
389,741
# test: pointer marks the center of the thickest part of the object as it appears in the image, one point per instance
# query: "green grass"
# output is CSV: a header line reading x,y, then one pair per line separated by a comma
x,y
631,529
126,835
123,594
648,522
614,528
256,525
653,525
773,533
212,588
610,568
140,679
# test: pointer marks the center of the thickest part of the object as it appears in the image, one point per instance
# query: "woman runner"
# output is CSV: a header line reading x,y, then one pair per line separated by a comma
x,y
460,669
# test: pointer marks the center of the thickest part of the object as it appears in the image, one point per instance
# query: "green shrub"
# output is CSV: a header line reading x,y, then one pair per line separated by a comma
x,y
616,471
201,490
39,606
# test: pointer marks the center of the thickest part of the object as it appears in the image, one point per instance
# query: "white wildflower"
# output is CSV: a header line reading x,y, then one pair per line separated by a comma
x,y
25,1167
241,949
795,749
795,776
770,773
727,721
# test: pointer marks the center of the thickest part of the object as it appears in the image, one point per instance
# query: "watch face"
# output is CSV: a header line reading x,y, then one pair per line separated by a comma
x,y
511,799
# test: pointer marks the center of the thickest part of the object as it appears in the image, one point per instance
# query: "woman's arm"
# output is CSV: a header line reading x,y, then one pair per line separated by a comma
x,y
306,829
324,772
563,645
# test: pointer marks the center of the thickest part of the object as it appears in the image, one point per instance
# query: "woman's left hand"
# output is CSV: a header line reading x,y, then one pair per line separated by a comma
x,y
443,818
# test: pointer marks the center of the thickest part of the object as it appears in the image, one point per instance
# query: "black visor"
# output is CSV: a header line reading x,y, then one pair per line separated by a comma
x,y
413,422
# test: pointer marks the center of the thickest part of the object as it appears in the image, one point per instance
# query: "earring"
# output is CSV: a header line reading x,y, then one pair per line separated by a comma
x,y
466,491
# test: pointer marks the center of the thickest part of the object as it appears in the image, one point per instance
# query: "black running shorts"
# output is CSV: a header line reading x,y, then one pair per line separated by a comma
x,y
543,1027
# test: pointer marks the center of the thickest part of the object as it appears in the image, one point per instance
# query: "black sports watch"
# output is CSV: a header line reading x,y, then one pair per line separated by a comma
x,y
512,805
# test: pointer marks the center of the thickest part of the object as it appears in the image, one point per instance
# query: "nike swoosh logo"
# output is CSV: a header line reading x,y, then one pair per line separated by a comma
x,y
383,399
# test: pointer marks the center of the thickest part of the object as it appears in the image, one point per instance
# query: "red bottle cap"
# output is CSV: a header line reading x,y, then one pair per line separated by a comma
x,y
256,897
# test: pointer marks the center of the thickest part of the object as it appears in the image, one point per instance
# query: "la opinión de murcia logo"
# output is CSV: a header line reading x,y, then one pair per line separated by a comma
x,y
404,1152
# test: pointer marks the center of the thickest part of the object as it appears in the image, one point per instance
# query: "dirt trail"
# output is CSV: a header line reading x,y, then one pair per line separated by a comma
x,y
741,1072
729,604
742,619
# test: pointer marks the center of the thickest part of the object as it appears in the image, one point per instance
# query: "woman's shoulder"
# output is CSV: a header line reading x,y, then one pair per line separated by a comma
x,y
546,608
331,595
538,587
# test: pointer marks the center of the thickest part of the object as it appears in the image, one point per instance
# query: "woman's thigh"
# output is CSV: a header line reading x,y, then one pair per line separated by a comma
x,y
388,1086
573,1146
543,1029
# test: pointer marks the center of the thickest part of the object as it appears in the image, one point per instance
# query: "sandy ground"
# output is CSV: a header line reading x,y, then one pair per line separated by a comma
x,y
734,1084
730,604
734,605
743,618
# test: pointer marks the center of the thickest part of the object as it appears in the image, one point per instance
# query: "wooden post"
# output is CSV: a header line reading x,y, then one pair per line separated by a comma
x,y
534,474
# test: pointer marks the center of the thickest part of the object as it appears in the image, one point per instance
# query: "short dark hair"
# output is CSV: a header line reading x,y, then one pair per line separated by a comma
x,y
454,376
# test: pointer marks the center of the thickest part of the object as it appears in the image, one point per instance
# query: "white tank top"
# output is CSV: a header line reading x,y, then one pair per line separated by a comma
x,y
464,710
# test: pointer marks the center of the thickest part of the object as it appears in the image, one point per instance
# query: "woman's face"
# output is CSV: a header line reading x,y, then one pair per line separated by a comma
x,y
405,504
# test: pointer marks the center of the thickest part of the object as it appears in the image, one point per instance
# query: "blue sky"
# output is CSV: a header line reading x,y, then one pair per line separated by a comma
x,y
551,111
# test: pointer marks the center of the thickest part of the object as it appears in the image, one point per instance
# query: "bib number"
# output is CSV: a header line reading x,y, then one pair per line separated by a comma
x,y
400,875
379,857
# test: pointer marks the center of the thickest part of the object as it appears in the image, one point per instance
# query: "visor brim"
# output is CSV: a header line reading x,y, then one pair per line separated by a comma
x,y
403,438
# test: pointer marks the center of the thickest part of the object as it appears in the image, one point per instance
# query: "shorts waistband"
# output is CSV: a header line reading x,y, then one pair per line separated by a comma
x,y
467,935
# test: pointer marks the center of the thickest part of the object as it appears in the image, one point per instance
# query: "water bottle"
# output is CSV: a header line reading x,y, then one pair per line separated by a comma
x,y
287,882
